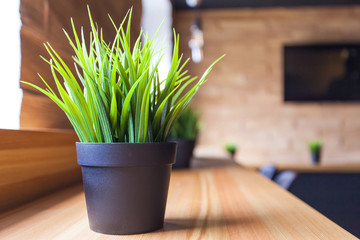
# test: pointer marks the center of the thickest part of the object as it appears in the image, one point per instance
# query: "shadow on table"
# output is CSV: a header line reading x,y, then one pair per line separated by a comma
x,y
198,163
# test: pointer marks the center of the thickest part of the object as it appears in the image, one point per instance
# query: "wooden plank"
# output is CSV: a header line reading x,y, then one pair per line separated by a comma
x,y
222,203
34,163
39,112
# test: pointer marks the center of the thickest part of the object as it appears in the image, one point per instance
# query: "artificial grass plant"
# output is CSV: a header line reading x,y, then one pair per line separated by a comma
x,y
121,98
187,126
315,146
231,148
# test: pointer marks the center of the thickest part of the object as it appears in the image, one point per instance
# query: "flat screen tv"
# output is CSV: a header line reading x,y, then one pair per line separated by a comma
x,y
322,72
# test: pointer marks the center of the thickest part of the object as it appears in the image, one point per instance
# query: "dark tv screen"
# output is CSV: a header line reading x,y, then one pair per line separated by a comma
x,y
322,72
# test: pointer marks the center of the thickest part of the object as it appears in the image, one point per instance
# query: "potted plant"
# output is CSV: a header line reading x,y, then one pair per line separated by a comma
x,y
315,150
122,113
184,133
231,148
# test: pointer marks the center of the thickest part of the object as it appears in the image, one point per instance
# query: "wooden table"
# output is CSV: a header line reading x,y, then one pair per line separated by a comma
x,y
208,203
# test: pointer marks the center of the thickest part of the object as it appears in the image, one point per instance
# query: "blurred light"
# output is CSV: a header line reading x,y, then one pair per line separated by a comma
x,y
154,14
196,42
193,3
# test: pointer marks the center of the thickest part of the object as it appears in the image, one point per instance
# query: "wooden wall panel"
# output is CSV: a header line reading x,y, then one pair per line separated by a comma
x,y
34,163
39,112
43,21
242,101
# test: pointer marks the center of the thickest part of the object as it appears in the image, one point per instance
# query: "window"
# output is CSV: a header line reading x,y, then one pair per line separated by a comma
x,y
10,92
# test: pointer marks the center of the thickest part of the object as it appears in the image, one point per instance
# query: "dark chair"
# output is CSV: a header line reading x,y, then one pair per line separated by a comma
x,y
268,170
285,179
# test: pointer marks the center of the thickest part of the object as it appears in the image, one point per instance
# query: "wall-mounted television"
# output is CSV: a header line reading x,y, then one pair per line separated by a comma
x,y
322,72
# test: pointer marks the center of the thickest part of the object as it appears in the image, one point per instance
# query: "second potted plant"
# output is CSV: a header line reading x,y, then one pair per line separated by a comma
x,y
315,150
184,133
122,113
231,148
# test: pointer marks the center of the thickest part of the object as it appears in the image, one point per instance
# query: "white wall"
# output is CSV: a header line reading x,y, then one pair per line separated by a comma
x,y
10,92
155,13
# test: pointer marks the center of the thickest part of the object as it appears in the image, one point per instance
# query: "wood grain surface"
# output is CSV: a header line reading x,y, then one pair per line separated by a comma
x,y
213,203
33,163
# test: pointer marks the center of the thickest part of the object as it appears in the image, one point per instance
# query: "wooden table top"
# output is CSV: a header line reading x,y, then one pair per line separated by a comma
x,y
209,203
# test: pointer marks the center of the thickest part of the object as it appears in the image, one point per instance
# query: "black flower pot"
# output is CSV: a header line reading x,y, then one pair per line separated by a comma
x,y
126,185
315,157
184,152
232,155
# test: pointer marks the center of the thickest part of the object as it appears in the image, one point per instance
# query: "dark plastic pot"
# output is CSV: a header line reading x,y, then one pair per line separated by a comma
x,y
232,155
184,152
126,185
315,157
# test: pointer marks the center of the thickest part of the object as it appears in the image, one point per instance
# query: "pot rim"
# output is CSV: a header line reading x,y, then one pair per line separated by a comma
x,y
125,154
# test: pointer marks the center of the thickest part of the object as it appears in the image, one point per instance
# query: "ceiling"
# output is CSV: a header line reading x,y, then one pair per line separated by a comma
x,y
211,4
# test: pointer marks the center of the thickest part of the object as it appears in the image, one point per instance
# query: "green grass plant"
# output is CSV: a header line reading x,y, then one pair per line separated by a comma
x,y
315,146
115,94
231,148
187,126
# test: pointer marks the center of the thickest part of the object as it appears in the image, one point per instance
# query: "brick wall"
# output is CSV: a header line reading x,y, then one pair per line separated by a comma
x,y
243,99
